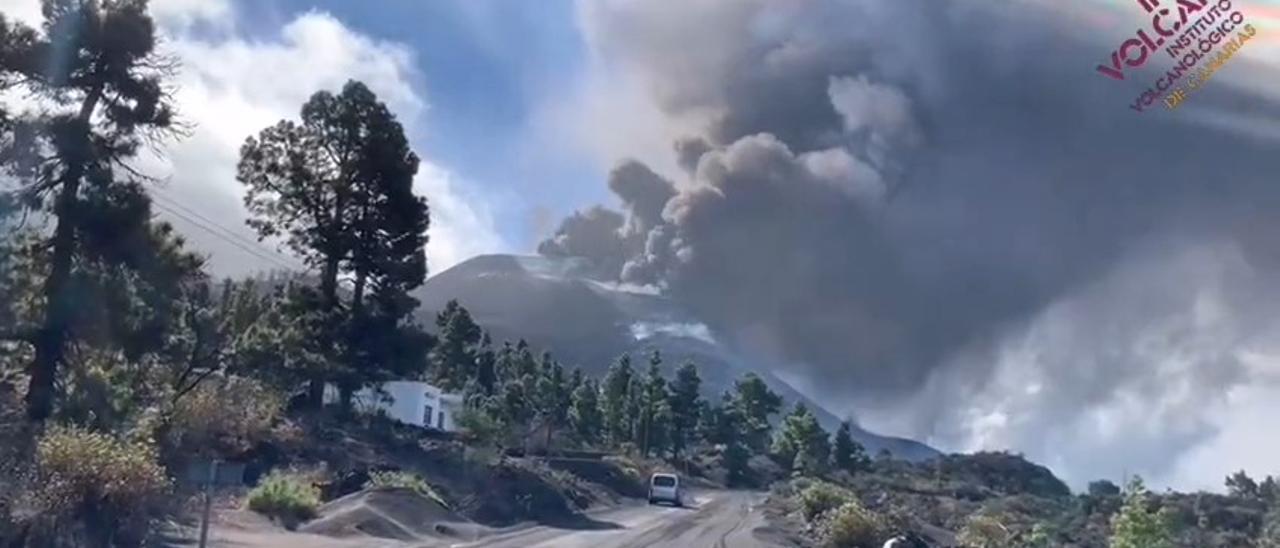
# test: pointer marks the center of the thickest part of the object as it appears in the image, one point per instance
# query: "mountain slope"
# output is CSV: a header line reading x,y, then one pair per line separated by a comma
x,y
554,304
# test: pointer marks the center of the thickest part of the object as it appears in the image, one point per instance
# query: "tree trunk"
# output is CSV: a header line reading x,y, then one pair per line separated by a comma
x,y
315,392
97,526
345,394
644,443
50,339
353,379
329,292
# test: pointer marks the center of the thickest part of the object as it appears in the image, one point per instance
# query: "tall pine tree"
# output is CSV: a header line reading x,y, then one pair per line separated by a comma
x,y
584,414
846,453
100,90
455,359
387,231
338,188
685,404
801,442
755,403
651,431
615,396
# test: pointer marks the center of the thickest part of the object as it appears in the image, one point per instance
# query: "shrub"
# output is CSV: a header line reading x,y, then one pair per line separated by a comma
x,y
108,483
481,427
1270,536
821,497
226,414
983,530
852,526
1137,525
399,479
288,497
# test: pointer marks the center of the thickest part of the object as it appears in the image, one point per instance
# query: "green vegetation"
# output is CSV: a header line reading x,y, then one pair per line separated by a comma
x,y
1001,500
290,498
338,188
986,530
822,497
224,415
1138,525
116,481
853,526
399,479
846,454
801,443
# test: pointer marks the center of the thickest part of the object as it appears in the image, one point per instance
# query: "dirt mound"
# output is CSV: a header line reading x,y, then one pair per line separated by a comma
x,y
604,473
400,514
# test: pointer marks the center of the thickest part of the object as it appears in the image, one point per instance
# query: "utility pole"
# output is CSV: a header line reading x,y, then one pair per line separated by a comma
x,y
208,502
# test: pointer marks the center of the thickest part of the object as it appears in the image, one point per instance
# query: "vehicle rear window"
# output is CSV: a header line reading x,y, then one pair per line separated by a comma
x,y
664,481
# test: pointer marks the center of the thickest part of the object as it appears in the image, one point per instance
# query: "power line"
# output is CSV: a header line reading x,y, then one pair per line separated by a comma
x,y
174,202
259,253
251,251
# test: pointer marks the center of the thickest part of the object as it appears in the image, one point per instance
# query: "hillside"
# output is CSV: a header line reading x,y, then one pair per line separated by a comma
x,y
555,304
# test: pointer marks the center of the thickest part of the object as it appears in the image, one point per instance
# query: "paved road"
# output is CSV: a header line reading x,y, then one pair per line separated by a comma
x,y
715,519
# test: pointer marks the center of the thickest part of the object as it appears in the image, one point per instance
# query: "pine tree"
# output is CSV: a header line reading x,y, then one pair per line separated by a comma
x,y
847,454
551,398
486,366
514,402
614,399
576,378
801,442
634,411
526,365
338,187
386,232
585,415
504,363
455,359
755,404
736,457
685,403
1241,485
722,423
653,407
101,93
290,193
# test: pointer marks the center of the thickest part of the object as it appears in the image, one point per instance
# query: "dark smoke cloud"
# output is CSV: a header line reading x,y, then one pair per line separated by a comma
x,y
595,234
689,150
886,194
643,193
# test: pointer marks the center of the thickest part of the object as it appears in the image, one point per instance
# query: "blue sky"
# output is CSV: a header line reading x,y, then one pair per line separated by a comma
x,y
486,67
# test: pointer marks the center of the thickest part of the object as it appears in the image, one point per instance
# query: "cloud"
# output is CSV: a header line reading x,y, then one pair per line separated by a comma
x,y
183,14
232,84
921,205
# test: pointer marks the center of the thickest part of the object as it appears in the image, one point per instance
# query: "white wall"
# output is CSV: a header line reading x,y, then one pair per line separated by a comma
x,y
407,402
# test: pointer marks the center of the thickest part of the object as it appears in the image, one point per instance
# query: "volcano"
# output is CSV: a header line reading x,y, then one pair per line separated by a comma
x,y
558,305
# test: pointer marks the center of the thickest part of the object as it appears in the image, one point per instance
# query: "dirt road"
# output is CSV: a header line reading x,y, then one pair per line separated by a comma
x,y
712,519
715,519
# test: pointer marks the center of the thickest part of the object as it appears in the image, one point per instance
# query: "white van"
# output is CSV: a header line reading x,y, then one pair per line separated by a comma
x,y
666,487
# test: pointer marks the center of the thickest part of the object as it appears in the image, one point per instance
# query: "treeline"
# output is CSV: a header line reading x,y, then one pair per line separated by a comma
x,y
97,278
121,357
511,396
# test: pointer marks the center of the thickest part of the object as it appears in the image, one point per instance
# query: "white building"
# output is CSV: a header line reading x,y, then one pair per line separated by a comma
x,y
410,402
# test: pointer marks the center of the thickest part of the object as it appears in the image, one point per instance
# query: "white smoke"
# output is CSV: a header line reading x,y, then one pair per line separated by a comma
x,y
1162,367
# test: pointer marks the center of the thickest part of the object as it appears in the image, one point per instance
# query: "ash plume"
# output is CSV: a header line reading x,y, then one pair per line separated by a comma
x,y
889,195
